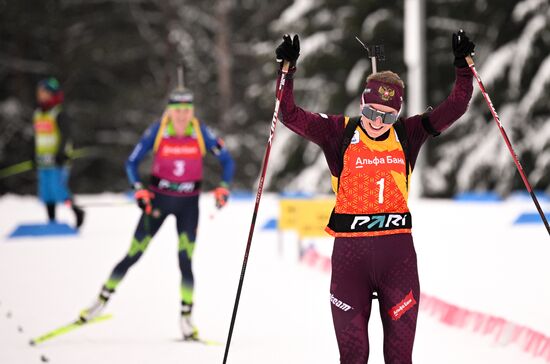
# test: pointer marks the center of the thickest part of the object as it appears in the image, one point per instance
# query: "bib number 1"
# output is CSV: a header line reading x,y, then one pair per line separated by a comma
x,y
381,191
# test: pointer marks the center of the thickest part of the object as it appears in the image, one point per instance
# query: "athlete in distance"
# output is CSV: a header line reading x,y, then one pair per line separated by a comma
x,y
179,142
371,158
52,146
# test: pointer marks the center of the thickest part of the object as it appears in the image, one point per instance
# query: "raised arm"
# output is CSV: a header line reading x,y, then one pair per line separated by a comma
x,y
456,103
453,107
317,127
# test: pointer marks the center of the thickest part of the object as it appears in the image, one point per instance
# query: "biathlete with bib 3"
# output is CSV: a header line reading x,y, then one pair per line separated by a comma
x,y
179,142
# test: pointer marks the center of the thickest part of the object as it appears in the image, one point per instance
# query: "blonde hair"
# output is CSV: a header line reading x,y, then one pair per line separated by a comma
x,y
388,77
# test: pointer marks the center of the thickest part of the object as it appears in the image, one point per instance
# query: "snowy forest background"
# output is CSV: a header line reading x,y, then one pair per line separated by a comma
x,y
117,62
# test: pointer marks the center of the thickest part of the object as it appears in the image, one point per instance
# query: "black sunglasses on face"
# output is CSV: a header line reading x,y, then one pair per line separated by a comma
x,y
372,114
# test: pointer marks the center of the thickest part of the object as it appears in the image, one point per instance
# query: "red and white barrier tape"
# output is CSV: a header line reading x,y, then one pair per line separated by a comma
x,y
503,331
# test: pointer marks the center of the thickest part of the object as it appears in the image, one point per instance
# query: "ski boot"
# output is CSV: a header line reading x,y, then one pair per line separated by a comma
x,y
188,329
97,307
79,216
78,212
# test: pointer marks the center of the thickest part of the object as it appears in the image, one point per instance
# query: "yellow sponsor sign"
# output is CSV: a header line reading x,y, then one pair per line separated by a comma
x,y
307,217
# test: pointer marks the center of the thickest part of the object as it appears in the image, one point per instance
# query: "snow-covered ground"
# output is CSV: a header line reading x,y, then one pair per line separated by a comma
x,y
470,255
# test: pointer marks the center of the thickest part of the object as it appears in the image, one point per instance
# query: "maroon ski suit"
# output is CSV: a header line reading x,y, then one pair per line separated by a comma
x,y
382,264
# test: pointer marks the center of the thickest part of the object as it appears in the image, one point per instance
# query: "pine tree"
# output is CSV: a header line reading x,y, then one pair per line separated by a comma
x,y
513,62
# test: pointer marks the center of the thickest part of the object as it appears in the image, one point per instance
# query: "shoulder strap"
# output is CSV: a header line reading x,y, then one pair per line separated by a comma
x,y
55,111
351,125
349,131
401,131
160,132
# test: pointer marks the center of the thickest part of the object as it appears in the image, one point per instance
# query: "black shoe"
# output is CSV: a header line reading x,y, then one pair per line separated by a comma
x,y
79,215
51,212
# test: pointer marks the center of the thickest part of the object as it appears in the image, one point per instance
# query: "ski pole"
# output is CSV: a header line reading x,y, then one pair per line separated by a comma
x,y
28,165
470,62
16,169
279,96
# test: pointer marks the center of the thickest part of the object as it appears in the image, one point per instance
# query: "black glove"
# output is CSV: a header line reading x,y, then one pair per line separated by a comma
x,y
288,50
462,47
143,198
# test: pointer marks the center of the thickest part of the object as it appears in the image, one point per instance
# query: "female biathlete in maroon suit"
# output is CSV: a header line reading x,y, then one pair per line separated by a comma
x,y
370,158
179,142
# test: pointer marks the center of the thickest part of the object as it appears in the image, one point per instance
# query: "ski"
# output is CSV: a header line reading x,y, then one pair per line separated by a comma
x,y
67,328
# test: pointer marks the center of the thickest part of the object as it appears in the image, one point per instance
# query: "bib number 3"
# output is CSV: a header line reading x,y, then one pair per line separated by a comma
x,y
179,168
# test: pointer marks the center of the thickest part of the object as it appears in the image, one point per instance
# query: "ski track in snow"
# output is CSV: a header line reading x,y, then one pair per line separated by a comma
x,y
469,254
